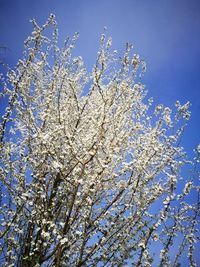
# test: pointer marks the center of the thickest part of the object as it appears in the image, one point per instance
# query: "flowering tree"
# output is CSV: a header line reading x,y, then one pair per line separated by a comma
x,y
90,173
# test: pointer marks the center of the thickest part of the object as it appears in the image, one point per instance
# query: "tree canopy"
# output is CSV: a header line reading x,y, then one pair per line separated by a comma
x,y
91,172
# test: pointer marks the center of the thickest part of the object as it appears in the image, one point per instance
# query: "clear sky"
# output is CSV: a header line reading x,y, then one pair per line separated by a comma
x,y
166,33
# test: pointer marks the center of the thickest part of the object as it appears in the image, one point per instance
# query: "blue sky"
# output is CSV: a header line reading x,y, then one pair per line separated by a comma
x,y
165,33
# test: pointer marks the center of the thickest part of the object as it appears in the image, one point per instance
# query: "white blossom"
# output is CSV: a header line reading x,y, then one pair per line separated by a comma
x,y
89,170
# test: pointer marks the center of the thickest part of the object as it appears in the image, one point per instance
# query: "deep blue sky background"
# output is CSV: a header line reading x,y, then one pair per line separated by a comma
x,y
166,33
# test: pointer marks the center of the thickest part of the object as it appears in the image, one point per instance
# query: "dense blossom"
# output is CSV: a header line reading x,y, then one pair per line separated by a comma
x,y
90,171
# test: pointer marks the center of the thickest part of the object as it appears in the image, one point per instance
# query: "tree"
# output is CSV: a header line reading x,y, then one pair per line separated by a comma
x,y
90,173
